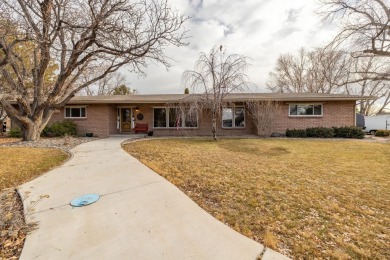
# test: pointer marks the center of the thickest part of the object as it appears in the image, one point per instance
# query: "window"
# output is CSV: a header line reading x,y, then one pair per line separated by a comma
x,y
305,110
190,117
160,119
227,117
75,112
175,117
233,117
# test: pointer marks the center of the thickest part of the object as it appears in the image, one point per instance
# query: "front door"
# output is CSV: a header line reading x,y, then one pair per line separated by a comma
x,y
126,116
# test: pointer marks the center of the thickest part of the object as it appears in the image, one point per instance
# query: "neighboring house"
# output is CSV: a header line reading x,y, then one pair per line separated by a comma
x,y
107,115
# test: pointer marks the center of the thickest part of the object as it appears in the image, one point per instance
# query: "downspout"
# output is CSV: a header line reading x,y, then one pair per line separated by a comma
x,y
118,119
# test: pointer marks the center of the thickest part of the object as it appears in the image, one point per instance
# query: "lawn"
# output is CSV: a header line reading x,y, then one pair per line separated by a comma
x,y
19,165
303,198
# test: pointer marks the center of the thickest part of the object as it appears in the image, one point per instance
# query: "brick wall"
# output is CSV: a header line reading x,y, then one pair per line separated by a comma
x,y
112,120
335,113
102,120
97,122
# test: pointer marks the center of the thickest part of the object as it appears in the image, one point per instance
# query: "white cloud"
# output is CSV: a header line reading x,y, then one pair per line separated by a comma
x,y
260,29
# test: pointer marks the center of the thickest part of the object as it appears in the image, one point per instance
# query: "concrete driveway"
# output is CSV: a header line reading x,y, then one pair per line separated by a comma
x,y
140,215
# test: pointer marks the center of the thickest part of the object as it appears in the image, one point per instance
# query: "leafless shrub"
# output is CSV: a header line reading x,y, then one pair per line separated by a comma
x,y
263,114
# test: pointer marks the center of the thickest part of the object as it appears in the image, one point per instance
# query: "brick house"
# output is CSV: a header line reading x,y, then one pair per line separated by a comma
x,y
107,115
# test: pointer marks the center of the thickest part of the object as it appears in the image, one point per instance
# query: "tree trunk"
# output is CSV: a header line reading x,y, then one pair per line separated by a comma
x,y
214,128
31,132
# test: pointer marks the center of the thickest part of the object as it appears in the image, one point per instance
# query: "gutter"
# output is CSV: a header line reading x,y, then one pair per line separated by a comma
x,y
308,99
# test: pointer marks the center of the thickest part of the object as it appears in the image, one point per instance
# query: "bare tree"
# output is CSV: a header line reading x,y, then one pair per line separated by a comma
x,y
290,73
318,71
79,36
325,71
112,84
365,24
364,30
263,114
361,72
105,86
329,69
215,76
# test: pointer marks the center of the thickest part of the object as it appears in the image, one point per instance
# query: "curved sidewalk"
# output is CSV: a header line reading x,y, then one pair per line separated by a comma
x,y
140,215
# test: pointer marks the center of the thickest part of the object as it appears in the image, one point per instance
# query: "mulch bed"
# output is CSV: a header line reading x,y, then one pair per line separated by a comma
x,y
65,143
13,227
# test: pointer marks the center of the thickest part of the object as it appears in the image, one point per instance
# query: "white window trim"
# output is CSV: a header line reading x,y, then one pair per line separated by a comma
x,y
306,104
174,127
233,120
80,113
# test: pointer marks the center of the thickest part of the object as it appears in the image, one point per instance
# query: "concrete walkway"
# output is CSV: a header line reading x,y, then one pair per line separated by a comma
x,y
140,215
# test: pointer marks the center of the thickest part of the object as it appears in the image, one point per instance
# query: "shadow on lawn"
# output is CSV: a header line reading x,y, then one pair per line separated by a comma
x,y
254,148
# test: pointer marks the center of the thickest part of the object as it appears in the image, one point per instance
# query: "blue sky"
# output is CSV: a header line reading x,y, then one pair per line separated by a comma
x,y
259,29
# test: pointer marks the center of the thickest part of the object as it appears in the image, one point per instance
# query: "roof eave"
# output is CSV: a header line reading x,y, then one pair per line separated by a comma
x,y
306,99
78,102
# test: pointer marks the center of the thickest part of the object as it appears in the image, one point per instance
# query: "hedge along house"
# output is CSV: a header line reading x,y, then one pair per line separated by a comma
x,y
173,114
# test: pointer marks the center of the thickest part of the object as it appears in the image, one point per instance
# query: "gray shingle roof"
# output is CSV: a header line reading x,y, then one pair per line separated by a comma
x,y
234,97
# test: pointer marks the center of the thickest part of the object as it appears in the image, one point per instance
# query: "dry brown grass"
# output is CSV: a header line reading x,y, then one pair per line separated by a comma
x,y
306,198
19,165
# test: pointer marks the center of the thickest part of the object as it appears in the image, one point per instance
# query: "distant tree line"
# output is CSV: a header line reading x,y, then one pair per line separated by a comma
x,y
356,62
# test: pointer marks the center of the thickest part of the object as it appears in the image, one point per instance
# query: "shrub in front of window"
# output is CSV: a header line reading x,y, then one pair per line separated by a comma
x,y
296,133
59,129
348,132
323,132
382,133
319,132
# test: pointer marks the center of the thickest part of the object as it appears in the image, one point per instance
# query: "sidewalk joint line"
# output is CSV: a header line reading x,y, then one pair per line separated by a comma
x,y
102,195
114,192
262,253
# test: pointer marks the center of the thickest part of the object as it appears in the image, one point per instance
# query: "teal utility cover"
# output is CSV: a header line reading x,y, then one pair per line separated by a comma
x,y
84,200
